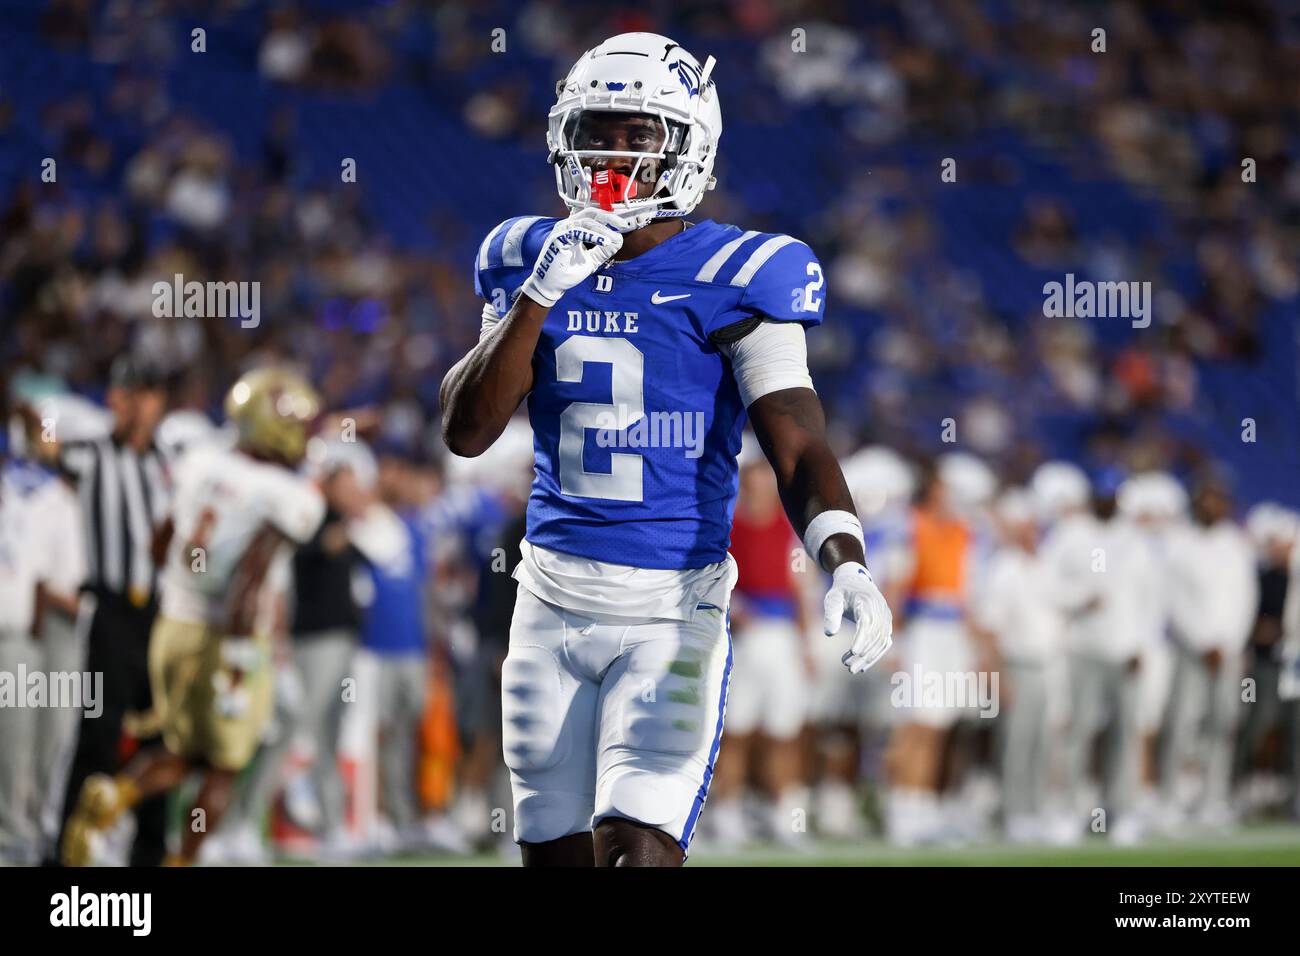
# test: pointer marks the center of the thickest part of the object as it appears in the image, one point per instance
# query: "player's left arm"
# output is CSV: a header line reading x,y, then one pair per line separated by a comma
x,y
791,427
769,358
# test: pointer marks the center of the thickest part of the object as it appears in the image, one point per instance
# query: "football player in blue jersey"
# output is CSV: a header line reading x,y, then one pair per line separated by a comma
x,y
641,341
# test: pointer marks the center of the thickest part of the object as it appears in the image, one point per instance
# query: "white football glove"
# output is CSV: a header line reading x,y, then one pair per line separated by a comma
x,y
575,248
853,591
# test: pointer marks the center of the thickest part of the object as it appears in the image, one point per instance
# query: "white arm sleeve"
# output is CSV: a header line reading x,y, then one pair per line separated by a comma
x,y
771,357
490,320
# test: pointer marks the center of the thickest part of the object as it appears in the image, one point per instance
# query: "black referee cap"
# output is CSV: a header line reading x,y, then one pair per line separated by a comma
x,y
131,371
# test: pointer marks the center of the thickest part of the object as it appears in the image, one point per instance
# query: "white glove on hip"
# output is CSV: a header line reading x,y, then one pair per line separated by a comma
x,y
854,592
575,248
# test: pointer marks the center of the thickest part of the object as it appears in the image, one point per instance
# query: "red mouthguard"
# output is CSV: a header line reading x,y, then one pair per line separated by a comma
x,y
609,186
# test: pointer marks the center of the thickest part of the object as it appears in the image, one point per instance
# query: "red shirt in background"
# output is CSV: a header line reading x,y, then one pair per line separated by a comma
x,y
762,550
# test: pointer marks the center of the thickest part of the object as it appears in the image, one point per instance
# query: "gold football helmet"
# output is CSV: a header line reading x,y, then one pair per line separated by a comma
x,y
274,410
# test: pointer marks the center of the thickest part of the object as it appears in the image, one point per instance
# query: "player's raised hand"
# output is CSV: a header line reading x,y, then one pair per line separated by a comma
x,y
854,593
576,248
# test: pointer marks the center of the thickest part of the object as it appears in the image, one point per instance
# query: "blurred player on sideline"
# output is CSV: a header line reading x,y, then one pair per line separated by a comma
x,y
58,544
393,632
768,700
326,628
1103,572
1060,493
934,641
43,738
1275,531
19,576
1017,606
209,660
475,528
1155,504
1213,593
970,790
1288,682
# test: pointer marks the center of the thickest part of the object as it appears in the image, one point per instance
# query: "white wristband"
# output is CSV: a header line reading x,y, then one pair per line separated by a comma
x,y
830,523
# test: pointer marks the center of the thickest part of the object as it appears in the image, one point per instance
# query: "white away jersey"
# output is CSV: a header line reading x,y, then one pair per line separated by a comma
x,y
225,497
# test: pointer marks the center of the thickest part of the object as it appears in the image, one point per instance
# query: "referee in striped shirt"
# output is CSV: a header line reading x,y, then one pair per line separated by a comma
x,y
122,484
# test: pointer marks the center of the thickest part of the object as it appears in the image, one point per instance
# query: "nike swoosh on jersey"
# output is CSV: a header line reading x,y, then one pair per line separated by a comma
x,y
657,299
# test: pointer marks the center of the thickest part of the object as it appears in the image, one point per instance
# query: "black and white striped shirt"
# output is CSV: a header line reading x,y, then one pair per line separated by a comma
x,y
124,495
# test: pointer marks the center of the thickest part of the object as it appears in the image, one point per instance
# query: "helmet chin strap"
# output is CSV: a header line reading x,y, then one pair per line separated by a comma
x,y
636,220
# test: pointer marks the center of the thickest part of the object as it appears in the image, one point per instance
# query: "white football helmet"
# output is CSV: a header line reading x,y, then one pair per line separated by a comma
x,y
1058,487
1269,523
648,74
1152,495
970,482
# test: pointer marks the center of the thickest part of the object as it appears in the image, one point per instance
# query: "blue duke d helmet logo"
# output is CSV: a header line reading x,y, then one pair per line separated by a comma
x,y
689,74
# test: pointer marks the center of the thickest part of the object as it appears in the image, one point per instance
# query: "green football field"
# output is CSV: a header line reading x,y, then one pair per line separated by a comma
x,y
1255,846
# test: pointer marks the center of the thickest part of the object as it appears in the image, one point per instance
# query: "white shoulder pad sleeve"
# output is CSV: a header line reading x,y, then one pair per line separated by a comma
x,y
771,357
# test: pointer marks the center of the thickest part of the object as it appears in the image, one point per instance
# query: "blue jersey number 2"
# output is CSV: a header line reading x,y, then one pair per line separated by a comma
x,y
623,480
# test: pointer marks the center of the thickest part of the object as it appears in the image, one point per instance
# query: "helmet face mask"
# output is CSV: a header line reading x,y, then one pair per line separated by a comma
x,y
641,145
615,96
